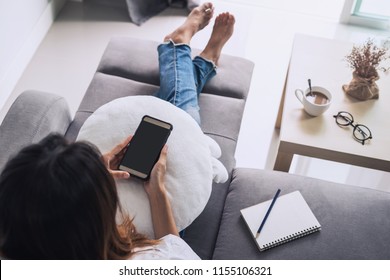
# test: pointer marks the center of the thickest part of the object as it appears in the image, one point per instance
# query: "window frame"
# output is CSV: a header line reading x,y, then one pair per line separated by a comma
x,y
351,15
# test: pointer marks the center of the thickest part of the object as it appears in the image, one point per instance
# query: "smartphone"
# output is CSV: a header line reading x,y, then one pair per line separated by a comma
x,y
145,147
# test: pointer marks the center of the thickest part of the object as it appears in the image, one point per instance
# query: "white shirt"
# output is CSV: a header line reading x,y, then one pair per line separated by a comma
x,y
171,247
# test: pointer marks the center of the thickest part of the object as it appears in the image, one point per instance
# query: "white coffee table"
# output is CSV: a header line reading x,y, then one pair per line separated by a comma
x,y
322,60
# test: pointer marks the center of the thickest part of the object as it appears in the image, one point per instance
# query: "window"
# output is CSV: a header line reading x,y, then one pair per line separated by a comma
x,y
370,13
373,8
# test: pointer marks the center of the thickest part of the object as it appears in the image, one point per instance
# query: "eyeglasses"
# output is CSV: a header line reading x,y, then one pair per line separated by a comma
x,y
361,133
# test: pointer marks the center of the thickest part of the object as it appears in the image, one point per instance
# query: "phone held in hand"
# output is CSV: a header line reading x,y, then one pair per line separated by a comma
x,y
145,147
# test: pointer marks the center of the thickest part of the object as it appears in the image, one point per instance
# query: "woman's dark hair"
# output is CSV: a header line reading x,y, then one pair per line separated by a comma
x,y
58,201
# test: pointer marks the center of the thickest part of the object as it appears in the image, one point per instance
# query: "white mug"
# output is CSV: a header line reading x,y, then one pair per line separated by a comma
x,y
316,103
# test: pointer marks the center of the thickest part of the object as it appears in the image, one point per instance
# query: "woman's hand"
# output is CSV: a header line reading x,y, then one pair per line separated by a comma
x,y
112,159
157,176
162,216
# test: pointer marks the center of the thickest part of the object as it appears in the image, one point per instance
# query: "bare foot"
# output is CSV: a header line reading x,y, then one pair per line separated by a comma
x,y
198,19
222,31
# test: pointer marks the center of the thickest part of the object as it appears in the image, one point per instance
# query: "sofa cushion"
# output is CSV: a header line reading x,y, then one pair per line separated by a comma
x,y
352,219
192,158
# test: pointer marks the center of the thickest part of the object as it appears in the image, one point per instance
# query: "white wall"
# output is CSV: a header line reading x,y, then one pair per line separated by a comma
x,y
23,25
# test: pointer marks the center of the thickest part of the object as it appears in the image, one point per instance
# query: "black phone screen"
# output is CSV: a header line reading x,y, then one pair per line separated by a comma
x,y
145,147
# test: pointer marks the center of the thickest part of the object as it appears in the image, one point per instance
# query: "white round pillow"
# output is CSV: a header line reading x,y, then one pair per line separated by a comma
x,y
192,163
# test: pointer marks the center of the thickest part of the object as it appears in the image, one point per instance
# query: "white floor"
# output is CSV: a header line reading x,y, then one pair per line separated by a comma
x,y
264,32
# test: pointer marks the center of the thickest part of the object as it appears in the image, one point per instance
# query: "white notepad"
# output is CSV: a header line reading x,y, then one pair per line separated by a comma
x,y
290,218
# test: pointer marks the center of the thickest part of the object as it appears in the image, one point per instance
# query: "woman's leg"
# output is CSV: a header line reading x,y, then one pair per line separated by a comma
x,y
206,63
222,31
182,79
177,82
203,70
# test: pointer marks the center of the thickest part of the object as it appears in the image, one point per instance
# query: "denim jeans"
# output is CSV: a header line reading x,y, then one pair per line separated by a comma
x,y
181,78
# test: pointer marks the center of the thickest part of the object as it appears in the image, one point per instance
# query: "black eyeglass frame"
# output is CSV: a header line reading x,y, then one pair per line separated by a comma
x,y
356,127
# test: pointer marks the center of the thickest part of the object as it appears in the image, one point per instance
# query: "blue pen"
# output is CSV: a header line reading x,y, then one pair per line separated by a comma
x,y
268,211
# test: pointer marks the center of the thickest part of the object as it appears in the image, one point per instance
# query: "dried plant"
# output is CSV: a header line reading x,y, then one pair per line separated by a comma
x,y
365,60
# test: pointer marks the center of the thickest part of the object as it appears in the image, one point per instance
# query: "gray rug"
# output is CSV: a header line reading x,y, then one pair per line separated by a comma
x,y
141,10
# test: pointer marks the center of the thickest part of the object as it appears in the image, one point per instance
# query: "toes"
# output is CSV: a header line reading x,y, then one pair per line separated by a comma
x,y
231,18
225,19
209,10
207,6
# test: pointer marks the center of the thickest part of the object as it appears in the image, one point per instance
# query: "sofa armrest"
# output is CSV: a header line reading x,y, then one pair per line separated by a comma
x,y
31,117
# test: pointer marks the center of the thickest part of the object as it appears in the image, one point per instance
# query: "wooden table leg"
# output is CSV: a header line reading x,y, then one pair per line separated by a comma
x,y
283,161
278,122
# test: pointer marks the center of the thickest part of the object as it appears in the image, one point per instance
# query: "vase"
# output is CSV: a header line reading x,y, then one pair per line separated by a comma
x,y
362,88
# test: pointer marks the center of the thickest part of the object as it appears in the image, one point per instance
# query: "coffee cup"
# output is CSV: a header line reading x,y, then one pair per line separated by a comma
x,y
316,101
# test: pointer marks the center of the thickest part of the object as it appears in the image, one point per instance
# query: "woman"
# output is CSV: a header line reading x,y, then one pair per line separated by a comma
x,y
58,200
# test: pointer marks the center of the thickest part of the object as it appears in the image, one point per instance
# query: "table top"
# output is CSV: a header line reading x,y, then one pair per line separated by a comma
x,y
323,61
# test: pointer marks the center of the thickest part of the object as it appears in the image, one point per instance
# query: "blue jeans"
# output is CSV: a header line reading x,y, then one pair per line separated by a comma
x,y
181,78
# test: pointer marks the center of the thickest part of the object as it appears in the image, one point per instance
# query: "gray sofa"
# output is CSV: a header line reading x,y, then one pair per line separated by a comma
x,y
355,221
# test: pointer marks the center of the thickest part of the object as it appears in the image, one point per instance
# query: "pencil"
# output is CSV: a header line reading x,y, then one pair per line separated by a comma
x,y
268,211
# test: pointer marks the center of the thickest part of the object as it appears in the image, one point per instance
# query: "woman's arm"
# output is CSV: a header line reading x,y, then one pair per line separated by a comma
x,y
162,217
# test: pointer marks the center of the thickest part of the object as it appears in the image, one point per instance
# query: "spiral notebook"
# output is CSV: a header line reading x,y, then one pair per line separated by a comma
x,y
290,218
